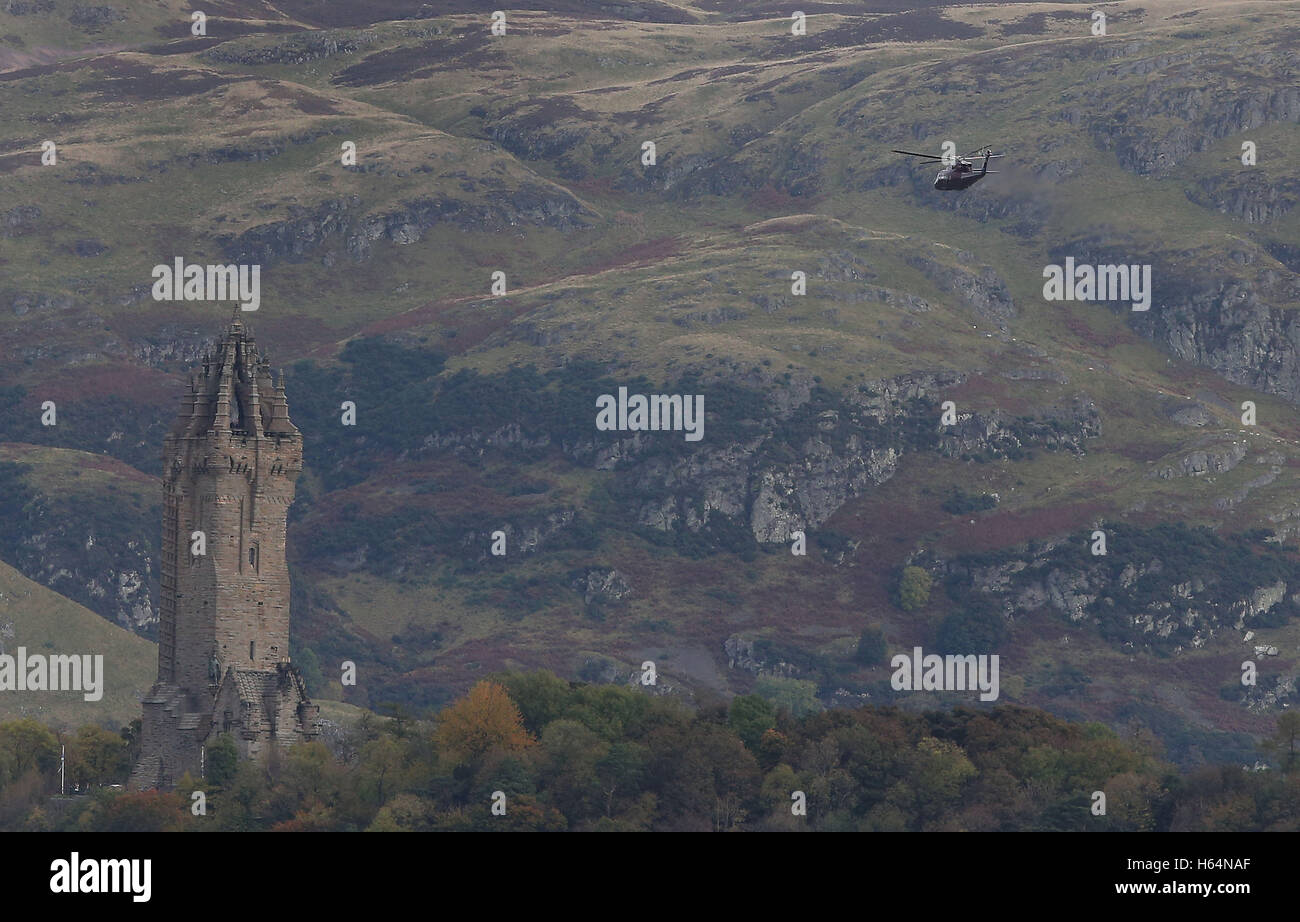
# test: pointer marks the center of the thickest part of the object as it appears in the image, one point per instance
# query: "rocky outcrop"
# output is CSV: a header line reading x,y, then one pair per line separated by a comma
x,y
1227,312
1172,587
1237,496
1269,694
1154,125
525,535
995,434
775,500
109,574
1250,197
602,585
1261,601
791,472
979,288
241,153
343,227
1228,325
777,486
802,453
1194,415
298,49
747,655
1218,460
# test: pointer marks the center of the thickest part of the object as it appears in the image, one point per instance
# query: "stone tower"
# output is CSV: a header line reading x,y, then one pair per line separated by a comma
x,y
229,465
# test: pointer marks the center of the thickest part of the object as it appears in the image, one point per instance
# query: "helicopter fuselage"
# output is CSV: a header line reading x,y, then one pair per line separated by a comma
x,y
958,176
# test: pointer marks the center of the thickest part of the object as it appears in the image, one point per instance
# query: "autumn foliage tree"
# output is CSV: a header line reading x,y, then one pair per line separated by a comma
x,y
96,756
484,721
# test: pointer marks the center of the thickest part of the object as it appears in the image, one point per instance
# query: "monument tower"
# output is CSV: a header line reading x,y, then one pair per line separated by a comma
x,y
229,465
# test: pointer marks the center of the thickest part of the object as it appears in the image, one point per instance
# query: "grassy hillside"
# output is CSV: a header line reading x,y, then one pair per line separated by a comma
x,y
523,154
46,623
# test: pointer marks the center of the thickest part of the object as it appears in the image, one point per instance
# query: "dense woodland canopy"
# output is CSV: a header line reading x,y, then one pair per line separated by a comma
x,y
574,756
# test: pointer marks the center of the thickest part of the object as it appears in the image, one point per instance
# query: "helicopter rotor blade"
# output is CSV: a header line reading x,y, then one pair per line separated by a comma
x,y
912,153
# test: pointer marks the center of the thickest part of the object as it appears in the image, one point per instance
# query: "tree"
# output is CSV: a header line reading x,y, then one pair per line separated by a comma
x,y
141,811
975,629
871,647
26,745
620,771
751,716
404,813
541,696
1285,741
96,756
484,720
382,763
221,759
913,589
798,696
242,804
571,752
939,772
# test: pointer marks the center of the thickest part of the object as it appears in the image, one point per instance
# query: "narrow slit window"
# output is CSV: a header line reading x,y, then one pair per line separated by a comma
x,y
251,649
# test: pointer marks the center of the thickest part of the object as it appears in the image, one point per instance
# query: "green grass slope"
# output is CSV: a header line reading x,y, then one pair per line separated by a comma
x,y
46,623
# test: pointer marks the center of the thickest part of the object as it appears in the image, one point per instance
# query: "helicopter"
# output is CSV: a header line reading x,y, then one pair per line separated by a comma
x,y
960,173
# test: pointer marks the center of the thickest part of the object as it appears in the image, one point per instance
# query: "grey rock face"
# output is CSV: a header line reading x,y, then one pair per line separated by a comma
x,y
598,585
1226,325
294,50
1067,593
743,653
1192,416
1229,313
526,536
342,225
1133,124
1139,599
112,577
1251,198
1261,601
978,287
1205,461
